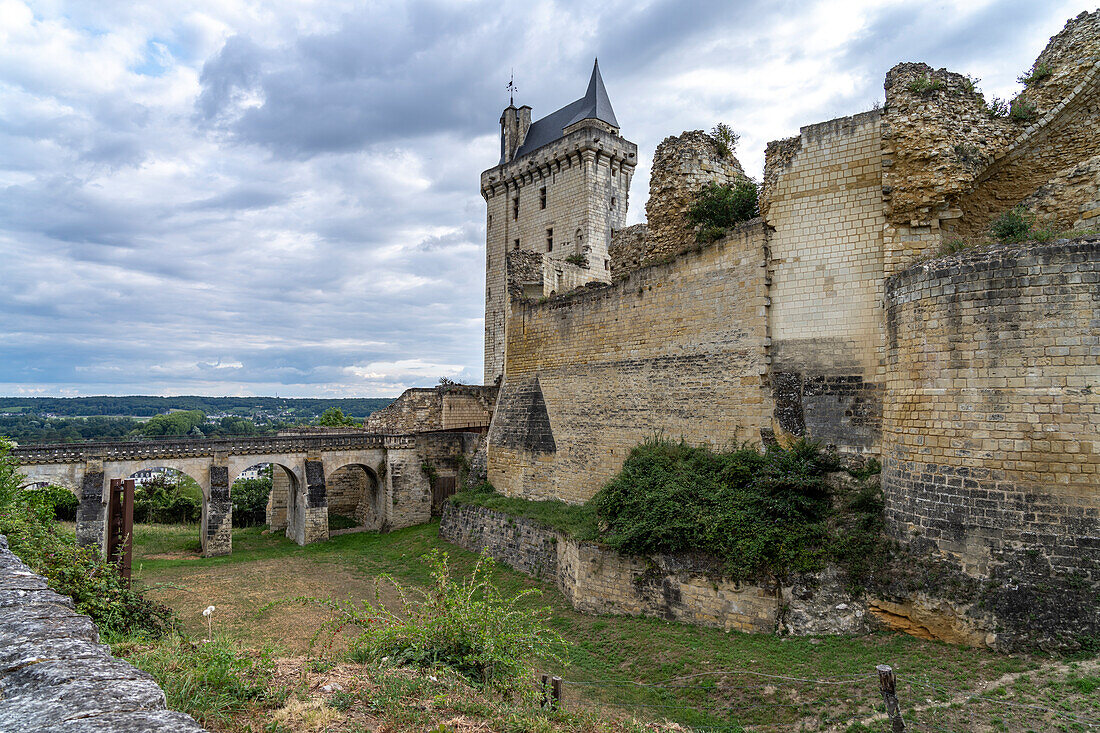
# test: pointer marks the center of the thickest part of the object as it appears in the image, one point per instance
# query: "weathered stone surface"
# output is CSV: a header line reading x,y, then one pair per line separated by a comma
x,y
450,407
616,364
690,589
682,166
990,426
55,676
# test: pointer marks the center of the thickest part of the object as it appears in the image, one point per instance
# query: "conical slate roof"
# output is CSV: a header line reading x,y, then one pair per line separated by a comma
x,y
595,104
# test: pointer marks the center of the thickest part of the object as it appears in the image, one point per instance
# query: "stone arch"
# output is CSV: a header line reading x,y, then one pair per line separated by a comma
x,y
67,476
284,484
355,491
146,474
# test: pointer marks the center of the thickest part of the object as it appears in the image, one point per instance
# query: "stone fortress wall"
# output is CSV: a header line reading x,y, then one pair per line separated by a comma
x,y
591,375
973,378
991,427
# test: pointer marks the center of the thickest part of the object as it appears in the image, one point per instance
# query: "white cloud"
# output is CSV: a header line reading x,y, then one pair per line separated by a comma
x,y
283,197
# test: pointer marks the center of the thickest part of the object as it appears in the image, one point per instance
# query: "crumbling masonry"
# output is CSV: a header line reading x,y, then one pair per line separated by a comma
x,y
975,377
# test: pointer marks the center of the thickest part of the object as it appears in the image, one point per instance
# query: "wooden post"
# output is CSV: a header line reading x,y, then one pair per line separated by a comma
x,y
887,684
555,693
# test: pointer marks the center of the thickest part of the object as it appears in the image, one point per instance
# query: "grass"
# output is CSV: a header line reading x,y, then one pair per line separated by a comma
x,y
577,521
608,654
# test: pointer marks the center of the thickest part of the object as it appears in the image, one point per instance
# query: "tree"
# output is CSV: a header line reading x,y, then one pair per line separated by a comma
x,y
334,417
180,422
718,207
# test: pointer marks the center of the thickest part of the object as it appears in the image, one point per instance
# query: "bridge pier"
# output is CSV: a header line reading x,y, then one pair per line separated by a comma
x,y
217,514
307,510
91,513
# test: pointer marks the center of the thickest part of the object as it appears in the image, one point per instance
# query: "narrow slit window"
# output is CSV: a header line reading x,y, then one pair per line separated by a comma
x,y
549,240
517,245
515,208
542,197
613,202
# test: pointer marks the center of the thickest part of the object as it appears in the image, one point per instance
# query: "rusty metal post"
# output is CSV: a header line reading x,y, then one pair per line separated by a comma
x,y
127,528
120,525
114,519
887,683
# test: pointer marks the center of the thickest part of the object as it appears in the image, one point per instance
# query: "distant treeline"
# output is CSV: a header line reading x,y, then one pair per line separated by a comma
x,y
142,406
87,418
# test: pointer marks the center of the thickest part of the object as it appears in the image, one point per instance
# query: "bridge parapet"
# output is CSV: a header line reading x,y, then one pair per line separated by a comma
x,y
198,447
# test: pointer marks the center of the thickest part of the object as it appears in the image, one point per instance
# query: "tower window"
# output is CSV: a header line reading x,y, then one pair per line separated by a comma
x,y
542,197
490,224
515,208
607,264
549,240
517,245
612,202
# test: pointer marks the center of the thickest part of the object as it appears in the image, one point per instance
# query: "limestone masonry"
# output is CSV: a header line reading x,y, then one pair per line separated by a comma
x,y
975,377
54,673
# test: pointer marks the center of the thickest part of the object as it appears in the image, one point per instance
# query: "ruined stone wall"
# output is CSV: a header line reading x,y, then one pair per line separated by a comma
x,y
628,249
346,487
991,418
822,196
596,579
1070,200
1067,135
950,166
54,673
421,409
676,348
682,166
533,275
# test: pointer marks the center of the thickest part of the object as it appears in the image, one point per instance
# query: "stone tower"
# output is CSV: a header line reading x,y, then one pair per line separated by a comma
x,y
552,201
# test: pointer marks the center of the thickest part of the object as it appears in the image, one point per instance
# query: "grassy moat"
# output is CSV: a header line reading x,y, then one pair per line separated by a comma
x,y
619,667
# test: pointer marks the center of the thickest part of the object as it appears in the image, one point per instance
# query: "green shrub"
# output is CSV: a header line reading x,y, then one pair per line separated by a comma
x,y
1038,73
719,207
97,589
212,681
761,513
161,502
94,584
1012,226
1021,110
250,501
925,85
577,259
58,502
467,626
997,107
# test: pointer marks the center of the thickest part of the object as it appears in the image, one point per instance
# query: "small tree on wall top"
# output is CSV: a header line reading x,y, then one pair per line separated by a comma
x,y
725,139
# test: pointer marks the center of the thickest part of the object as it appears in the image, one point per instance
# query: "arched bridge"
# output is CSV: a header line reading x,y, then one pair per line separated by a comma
x,y
398,491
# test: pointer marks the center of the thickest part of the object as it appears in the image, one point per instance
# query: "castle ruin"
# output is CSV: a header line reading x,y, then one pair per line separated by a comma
x,y
974,376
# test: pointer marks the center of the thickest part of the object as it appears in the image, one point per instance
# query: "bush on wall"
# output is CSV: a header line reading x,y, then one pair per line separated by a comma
x,y
719,207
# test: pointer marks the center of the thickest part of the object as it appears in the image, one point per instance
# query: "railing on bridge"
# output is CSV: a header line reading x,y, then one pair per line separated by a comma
x,y
192,447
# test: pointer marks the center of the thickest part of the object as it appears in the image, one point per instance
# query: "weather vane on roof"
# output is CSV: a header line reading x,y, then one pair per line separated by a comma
x,y
512,89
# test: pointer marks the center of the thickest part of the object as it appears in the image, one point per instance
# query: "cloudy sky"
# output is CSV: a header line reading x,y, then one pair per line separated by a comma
x,y
257,198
